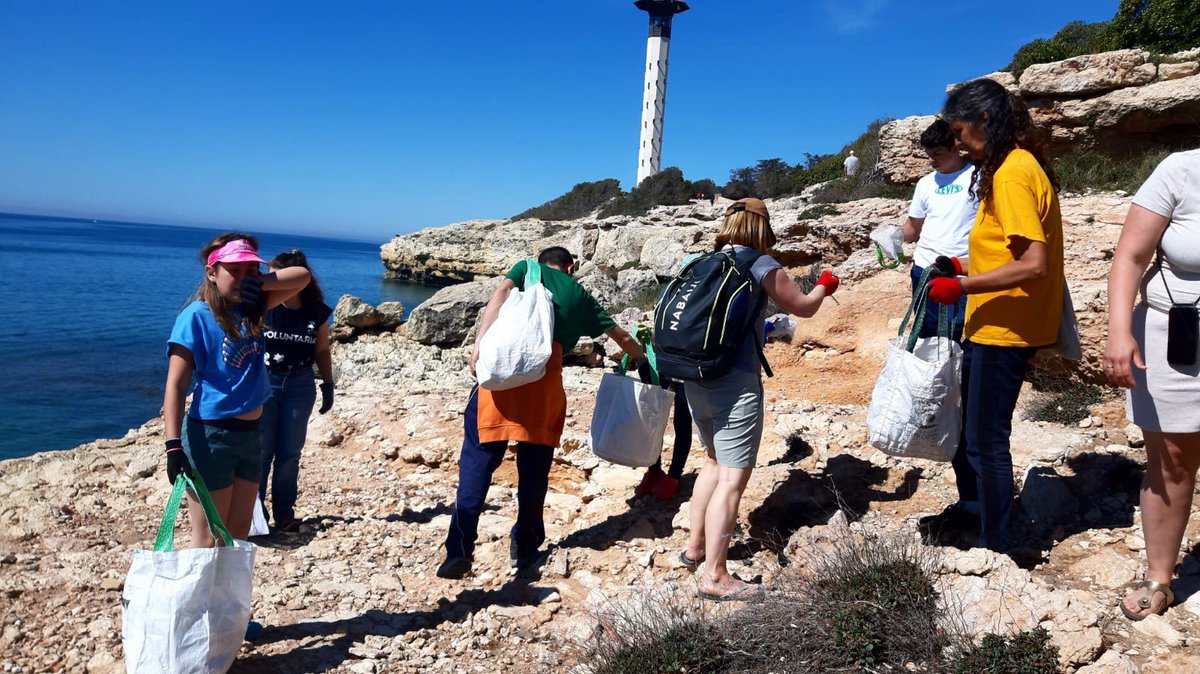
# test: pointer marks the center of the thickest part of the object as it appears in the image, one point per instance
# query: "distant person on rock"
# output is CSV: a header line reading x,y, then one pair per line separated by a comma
x,y
940,219
1153,351
728,407
532,415
851,164
297,333
1014,298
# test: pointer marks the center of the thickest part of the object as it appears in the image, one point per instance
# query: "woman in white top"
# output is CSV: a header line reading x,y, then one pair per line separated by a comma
x,y
1159,254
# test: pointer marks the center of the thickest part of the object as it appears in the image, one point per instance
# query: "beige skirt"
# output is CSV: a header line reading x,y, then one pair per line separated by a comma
x,y
1167,397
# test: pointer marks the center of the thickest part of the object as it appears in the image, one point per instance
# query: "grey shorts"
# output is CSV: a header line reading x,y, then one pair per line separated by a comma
x,y
728,413
220,455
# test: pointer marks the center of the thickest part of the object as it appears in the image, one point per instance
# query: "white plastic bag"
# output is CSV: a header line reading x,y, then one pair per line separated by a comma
x,y
186,611
916,407
629,420
889,245
780,328
515,349
1067,345
258,521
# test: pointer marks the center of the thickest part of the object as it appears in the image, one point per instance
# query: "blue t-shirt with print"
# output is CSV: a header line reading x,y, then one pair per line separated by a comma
x,y
230,375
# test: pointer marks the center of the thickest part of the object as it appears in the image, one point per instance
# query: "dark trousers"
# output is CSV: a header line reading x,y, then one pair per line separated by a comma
x,y
958,311
991,382
282,429
683,435
477,462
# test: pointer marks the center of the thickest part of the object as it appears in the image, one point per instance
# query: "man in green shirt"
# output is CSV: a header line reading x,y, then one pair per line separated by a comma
x,y
532,415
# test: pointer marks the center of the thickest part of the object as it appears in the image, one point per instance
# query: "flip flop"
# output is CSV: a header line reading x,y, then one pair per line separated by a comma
x,y
691,564
748,593
1152,588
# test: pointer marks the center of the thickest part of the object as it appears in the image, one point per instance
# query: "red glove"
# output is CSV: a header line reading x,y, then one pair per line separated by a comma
x,y
945,290
829,282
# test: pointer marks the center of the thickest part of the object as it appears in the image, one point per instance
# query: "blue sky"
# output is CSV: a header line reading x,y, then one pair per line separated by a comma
x,y
364,119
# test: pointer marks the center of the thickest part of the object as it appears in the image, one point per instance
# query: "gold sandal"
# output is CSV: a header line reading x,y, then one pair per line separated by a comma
x,y
1152,588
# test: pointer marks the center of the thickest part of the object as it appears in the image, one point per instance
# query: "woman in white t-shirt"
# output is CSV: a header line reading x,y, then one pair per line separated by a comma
x,y
1162,233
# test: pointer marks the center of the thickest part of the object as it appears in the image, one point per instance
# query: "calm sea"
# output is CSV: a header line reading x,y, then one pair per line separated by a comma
x,y
87,307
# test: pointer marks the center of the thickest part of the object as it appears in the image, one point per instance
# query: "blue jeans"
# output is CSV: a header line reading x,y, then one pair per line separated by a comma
x,y
991,382
475,467
282,429
958,312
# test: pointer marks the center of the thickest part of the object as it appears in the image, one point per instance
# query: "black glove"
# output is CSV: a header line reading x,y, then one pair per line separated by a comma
x,y
254,301
945,266
177,462
326,397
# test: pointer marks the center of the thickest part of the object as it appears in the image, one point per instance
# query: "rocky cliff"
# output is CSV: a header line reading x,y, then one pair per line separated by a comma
x,y
1115,101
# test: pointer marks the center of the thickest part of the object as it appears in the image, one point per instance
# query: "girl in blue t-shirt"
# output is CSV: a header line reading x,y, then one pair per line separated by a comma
x,y
217,348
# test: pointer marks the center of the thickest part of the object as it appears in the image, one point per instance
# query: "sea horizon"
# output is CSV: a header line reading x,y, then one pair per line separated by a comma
x,y
91,305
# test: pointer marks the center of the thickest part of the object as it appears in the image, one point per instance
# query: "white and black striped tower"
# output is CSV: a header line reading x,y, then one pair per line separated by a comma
x,y
654,98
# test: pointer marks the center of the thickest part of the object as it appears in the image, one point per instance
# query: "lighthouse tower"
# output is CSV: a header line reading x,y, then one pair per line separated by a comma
x,y
654,98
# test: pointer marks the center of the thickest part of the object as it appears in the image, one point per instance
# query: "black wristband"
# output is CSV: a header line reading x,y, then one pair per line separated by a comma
x,y
173,443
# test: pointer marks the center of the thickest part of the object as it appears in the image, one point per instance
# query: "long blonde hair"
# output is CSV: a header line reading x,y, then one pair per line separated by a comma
x,y
743,228
222,308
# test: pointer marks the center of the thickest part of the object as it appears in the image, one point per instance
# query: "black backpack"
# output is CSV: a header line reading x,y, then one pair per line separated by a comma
x,y
705,314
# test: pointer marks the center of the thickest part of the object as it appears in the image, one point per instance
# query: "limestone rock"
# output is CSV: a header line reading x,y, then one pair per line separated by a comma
x,y
1174,71
901,157
1089,74
1112,662
621,247
633,282
1003,77
1157,627
356,314
390,314
455,253
1128,112
449,315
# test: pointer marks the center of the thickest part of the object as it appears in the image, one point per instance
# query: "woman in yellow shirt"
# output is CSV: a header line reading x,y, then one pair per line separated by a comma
x,y
1014,295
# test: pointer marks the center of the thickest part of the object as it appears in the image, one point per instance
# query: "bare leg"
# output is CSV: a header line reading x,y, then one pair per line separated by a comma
x,y
201,536
706,483
719,521
1171,463
240,511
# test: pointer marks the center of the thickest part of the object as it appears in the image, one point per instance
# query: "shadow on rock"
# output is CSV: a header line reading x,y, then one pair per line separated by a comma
x,y
323,645
647,517
308,531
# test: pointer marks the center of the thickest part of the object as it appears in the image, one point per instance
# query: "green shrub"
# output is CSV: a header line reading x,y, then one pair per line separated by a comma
x,y
646,298
1073,39
582,200
1162,26
665,188
1069,406
1022,653
818,211
690,647
1083,169
654,631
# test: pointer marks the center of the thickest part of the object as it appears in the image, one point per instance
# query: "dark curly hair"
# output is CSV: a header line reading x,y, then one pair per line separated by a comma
x,y
1007,127
939,134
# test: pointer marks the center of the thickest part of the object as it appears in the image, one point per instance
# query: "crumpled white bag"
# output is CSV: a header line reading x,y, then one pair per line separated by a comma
x,y
186,611
515,349
889,245
629,420
916,407
258,522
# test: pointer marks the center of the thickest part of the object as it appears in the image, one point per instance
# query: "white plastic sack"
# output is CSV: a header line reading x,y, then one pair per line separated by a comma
x,y
916,407
889,242
1067,345
781,327
186,611
515,349
629,420
258,522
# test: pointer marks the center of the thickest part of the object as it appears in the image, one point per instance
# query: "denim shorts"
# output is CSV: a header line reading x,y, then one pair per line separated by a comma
x,y
220,454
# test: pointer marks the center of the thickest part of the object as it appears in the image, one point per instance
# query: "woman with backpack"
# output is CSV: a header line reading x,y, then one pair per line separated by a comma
x,y
1014,297
725,392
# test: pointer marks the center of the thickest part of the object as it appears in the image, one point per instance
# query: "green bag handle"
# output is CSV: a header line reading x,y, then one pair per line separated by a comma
x,y
533,273
883,261
643,336
165,541
917,307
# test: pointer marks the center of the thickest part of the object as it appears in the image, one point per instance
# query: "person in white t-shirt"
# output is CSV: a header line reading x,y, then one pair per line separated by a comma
x,y
940,220
851,164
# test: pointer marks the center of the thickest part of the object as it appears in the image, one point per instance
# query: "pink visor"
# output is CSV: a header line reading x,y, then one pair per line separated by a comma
x,y
238,250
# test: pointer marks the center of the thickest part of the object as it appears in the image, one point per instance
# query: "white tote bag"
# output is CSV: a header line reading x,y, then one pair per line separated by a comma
x,y
258,522
630,418
916,407
515,349
1067,345
186,611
